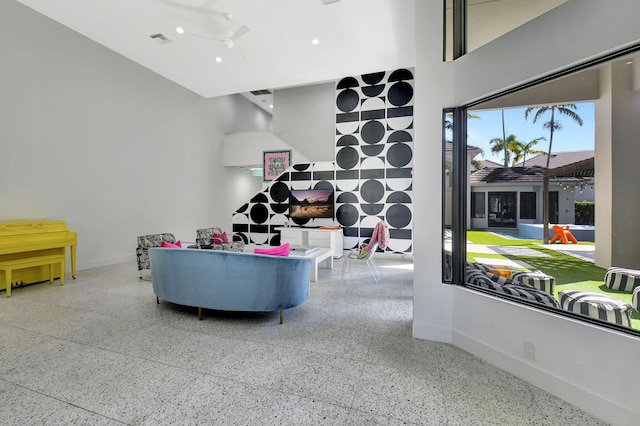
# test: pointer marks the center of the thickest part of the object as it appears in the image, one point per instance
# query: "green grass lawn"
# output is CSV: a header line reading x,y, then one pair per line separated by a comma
x,y
570,272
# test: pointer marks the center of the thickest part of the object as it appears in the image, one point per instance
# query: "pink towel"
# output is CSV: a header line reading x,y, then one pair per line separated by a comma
x,y
380,235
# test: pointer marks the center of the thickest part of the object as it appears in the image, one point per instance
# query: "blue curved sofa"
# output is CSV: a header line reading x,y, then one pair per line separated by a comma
x,y
229,281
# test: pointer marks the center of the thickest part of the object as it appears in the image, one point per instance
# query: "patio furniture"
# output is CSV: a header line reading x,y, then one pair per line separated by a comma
x,y
622,279
537,279
563,234
635,299
480,278
596,305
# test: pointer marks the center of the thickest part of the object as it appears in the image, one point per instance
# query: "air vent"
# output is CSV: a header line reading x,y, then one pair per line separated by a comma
x,y
160,38
260,92
326,2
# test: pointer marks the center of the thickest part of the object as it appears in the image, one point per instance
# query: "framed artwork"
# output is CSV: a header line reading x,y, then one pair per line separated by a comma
x,y
274,163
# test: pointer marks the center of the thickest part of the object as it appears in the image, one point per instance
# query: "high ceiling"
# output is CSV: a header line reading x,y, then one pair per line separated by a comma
x,y
354,37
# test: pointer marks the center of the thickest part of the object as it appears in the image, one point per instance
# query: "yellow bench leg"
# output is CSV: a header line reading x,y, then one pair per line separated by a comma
x,y
7,278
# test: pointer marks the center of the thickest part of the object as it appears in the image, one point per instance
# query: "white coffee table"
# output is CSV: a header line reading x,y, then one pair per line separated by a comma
x,y
323,254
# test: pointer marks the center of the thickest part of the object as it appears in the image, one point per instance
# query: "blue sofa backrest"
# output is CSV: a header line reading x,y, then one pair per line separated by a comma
x,y
229,281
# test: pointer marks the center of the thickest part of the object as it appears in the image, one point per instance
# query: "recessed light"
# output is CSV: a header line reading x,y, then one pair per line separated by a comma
x,y
629,62
315,41
271,106
179,30
218,59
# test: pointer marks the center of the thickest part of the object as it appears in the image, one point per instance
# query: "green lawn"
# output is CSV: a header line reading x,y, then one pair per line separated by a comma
x,y
570,272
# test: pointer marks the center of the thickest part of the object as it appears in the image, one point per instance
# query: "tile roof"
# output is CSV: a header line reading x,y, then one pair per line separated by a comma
x,y
558,159
490,164
511,174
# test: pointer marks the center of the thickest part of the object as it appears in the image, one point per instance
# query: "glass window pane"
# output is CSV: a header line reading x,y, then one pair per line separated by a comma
x,y
477,205
527,205
550,167
447,200
448,30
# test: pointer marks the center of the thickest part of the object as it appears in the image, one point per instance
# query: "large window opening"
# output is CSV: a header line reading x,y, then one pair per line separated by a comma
x,y
528,187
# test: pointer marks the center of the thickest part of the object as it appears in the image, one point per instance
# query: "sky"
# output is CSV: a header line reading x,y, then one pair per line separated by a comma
x,y
572,137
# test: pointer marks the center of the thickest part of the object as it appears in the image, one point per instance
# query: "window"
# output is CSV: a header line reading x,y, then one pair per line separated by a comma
x,y
504,204
527,205
502,210
454,126
477,204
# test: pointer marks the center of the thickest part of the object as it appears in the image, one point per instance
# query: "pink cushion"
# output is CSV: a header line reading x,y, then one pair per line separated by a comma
x,y
282,250
165,244
219,238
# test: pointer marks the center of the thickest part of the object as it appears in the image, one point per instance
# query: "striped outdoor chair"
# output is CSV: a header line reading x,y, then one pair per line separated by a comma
x,y
504,285
596,305
622,279
537,279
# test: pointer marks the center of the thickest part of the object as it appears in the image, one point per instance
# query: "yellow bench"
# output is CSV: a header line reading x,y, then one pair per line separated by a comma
x,y
9,265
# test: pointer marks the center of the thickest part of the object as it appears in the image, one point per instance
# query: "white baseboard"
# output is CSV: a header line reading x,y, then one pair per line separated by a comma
x,y
596,405
429,332
107,262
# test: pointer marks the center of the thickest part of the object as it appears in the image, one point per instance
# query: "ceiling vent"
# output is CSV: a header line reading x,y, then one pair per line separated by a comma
x,y
260,92
326,2
160,38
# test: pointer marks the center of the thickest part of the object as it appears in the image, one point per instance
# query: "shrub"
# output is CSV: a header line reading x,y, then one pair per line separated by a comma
x,y
585,213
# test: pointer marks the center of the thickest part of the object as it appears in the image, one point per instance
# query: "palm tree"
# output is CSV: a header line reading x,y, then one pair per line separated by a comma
x,y
521,150
448,122
498,145
553,125
477,164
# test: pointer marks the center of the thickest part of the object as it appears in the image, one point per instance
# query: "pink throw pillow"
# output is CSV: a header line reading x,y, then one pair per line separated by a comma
x,y
165,244
219,238
282,250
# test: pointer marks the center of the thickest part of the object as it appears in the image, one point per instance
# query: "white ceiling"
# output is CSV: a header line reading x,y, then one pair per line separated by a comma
x,y
355,37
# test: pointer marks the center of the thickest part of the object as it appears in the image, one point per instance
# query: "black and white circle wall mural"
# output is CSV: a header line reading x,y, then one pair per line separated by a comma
x,y
382,139
371,177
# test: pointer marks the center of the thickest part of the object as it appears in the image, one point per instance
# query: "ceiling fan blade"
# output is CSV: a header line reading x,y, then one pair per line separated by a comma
x,y
239,32
210,37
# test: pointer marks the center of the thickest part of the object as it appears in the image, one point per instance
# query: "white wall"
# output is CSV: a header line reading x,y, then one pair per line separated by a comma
x,y
433,302
240,186
92,138
248,117
304,117
626,200
583,364
244,149
604,165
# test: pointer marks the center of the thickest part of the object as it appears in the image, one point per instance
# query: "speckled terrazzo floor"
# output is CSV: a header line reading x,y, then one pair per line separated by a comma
x,y
100,351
